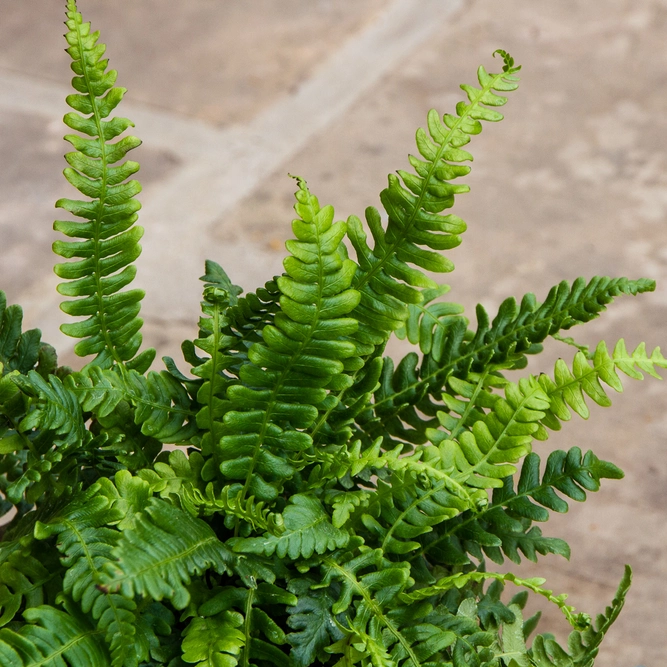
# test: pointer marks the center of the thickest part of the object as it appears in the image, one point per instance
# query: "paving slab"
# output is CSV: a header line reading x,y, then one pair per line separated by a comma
x,y
573,182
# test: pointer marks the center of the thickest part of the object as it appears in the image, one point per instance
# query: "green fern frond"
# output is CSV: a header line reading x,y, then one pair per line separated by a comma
x,y
301,356
568,388
24,577
214,641
307,530
413,203
55,408
315,624
227,503
514,332
505,525
261,608
535,584
162,406
50,637
427,325
583,646
403,508
86,544
110,242
158,556
19,350
219,295
484,455
373,591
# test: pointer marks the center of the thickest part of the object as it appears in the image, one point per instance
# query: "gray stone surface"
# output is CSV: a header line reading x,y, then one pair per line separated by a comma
x,y
230,97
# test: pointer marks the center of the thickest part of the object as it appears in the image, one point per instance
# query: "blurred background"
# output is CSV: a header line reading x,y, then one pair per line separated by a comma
x,y
230,97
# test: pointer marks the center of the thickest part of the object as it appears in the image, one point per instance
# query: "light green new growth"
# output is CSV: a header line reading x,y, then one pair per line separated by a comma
x,y
319,504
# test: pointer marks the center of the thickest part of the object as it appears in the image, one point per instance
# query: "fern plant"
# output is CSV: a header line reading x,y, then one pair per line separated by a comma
x,y
318,504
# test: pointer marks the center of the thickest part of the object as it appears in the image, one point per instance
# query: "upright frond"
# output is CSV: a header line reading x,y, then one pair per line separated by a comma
x,y
109,241
302,355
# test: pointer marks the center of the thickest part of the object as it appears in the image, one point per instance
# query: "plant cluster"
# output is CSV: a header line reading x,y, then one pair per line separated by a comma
x,y
320,505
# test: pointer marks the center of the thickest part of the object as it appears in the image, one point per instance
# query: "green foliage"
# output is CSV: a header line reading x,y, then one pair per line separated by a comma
x,y
319,504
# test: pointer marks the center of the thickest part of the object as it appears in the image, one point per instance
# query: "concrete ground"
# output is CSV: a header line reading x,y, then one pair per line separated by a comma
x,y
231,96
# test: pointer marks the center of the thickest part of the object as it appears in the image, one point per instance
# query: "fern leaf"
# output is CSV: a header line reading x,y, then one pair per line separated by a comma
x,y
302,354
505,525
254,603
162,406
214,641
109,240
56,409
308,530
514,332
158,556
568,388
23,577
19,350
427,325
86,544
583,646
219,295
413,202
49,637
314,622
227,503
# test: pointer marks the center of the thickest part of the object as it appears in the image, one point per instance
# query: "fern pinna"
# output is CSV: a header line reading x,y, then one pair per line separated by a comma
x,y
317,504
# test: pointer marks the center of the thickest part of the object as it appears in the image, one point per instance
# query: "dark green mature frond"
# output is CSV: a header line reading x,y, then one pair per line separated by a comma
x,y
301,356
109,240
314,621
48,637
24,577
159,554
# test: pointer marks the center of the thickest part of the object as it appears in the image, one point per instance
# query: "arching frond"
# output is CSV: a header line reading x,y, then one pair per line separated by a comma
x,y
413,202
505,525
514,332
109,240
583,647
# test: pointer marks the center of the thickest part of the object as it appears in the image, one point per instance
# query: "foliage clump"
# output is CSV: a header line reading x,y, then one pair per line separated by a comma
x,y
320,505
